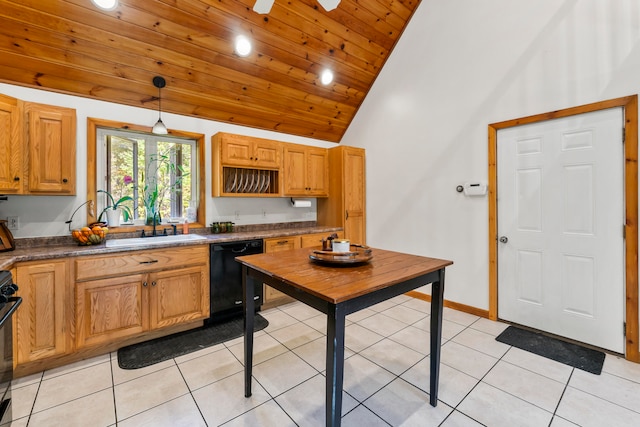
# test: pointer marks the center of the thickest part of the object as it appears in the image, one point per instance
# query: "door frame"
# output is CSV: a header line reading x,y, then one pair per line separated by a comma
x,y
629,105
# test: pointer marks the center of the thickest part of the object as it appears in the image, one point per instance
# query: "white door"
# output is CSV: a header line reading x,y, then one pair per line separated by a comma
x,y
560,223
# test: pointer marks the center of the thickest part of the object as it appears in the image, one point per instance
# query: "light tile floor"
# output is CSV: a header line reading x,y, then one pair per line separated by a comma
x,y
482,381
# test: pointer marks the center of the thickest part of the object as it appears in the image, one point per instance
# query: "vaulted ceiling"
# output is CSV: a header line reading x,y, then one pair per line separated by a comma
x,y
72,47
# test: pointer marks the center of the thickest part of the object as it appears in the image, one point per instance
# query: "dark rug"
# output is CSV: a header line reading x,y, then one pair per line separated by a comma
x,y
552,348
164,348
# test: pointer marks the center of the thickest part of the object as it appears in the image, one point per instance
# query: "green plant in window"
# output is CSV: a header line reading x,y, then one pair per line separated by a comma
x,y
118,204
163,179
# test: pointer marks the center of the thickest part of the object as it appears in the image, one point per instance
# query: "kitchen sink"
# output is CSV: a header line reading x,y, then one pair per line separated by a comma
x,y
146,241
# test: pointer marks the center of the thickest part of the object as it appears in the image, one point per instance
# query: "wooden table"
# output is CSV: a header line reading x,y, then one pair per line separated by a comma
x,y
338,291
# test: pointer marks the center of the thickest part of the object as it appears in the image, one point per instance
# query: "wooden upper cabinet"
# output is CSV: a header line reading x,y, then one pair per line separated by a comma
x,y
346,205
51,146
243,166
246,151
306,171
11,142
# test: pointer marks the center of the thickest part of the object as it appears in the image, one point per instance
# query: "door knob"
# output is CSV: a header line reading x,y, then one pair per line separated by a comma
x,y
503,239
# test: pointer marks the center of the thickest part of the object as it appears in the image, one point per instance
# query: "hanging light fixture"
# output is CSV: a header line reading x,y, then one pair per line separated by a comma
x,y
264,6
329,4
159,128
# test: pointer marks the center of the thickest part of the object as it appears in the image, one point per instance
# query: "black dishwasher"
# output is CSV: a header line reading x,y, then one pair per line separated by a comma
x,y
226,278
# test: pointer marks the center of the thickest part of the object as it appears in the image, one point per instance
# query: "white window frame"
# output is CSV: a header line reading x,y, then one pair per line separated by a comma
x,y
151,144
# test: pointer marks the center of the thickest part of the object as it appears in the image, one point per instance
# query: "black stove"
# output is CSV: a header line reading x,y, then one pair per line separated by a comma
x,y
8,305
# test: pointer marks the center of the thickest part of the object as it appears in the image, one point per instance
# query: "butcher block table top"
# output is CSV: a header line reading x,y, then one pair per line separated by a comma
x,y
339,283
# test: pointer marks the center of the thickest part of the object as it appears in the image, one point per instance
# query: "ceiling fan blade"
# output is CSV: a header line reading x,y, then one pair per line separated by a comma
x,y
329,5
263,6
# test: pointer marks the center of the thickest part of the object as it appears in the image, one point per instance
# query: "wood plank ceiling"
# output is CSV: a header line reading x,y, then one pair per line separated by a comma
x,y
72,47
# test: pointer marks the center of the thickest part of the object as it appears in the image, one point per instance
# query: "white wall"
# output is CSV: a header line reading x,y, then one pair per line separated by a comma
x,y
46,216
459,66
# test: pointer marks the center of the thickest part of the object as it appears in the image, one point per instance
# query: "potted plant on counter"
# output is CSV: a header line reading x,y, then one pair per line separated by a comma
x,y
116,209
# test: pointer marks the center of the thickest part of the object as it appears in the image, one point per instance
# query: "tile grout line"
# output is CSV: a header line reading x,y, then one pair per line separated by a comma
x,y
113,387
190,390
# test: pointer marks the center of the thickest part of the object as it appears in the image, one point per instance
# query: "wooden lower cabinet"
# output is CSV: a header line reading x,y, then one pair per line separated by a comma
x,y
84,306
178,296
42,326
109,309
113,308
273,297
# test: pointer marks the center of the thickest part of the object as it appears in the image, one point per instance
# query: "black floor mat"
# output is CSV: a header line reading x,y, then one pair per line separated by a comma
x,y
552,348
160,349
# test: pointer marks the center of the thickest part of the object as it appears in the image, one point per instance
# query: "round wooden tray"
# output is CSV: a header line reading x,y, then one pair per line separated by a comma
x,y
358,254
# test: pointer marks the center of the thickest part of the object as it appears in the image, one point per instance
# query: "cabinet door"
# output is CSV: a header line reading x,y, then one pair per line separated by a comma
x,y
10,145
266,153
51,149
315,239
110,309
295,171
178,296
271,295
317,172
236,150
354,196
42,320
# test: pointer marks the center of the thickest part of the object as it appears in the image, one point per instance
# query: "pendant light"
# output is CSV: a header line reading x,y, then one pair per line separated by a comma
x,y
264,6
159,128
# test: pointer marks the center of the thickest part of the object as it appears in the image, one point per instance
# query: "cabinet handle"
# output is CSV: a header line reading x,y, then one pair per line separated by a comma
x,y
16,178
153,261
65,180
283,242
346,215
256,159
144,284
153,283
256,298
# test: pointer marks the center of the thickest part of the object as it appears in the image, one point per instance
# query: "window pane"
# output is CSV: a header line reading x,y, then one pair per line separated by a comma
x,y
155,171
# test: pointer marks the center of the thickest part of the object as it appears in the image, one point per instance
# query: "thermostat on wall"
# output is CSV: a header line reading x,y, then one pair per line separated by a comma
x,y
474,189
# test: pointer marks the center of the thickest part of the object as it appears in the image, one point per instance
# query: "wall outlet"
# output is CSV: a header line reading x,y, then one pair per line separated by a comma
x,y
13,222
264,213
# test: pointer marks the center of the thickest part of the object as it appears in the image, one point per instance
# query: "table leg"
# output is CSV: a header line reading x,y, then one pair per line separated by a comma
x,y
335,365
249,313
437,298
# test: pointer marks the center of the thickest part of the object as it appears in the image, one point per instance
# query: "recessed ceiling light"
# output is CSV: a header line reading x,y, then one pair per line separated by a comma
x,y
243,45
106,4
326,77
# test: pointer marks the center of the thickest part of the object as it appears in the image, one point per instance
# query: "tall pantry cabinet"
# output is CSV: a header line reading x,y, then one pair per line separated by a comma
x,y
345,206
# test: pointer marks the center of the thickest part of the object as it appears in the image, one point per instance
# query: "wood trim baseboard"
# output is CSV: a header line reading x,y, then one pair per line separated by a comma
x,y
451,304
630,106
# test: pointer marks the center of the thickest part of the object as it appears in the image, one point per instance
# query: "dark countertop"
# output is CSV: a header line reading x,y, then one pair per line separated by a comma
x,y
63,246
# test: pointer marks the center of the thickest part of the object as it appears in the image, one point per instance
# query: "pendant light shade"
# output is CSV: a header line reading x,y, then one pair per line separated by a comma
x,y
159,128
264,6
